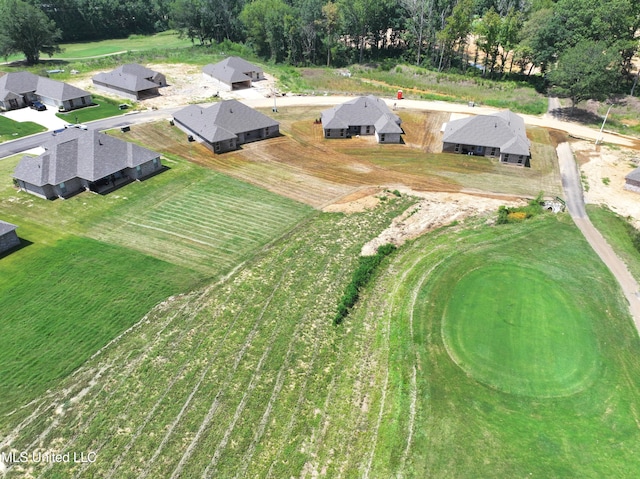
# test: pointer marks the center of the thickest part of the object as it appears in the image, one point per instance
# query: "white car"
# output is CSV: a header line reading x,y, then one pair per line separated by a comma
x,y
76,125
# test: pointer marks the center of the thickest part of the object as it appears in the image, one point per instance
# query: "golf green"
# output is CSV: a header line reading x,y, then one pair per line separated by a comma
x,y
516,330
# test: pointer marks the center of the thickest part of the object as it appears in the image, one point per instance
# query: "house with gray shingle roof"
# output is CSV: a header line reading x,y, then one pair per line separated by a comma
x,y
132,81
632,181
226,125
502,135
234,72
19,89
8,236
77,160
365,115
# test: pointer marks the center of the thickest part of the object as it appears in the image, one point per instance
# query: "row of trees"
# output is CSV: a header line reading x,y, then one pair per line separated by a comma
x,y
509,35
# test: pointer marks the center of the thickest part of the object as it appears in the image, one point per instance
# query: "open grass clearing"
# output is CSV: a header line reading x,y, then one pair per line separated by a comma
x,y
10,129
249,378
224,379
103,108
614,229
95,264
515,329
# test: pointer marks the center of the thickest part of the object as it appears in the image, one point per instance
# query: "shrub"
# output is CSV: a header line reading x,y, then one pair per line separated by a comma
x,y
361,276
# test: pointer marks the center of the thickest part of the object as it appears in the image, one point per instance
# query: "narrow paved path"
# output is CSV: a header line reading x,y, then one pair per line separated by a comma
x,y
575,204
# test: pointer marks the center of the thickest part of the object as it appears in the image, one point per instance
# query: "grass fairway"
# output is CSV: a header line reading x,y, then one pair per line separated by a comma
x,y
474,396
248,377
96,264
84,293
516,329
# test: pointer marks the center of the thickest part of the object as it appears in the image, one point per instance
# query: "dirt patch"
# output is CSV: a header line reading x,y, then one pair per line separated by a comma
x,y
431,211
186,85
605,169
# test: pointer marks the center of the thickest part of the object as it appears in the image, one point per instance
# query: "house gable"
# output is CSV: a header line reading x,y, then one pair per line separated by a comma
x,y
363,115
502,132
81,158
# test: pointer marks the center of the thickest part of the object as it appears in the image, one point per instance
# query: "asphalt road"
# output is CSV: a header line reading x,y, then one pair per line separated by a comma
x,y
572,186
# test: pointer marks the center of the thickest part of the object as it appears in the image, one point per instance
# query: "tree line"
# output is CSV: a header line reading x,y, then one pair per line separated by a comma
x,y
595,39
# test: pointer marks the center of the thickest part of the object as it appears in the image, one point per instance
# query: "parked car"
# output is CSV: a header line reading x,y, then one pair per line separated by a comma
x,y
76,125
38,105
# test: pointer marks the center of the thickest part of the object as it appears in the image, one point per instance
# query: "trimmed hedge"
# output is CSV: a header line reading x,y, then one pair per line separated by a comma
x,y
361,276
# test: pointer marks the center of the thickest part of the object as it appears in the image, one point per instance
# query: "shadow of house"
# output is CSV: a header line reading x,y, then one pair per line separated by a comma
x,y
79,160
502,135
132,81
8,237
20,89
226,125
234,72
366,115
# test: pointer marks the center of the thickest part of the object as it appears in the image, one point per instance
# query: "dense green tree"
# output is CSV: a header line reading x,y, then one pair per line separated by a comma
x,y
488,32
419,13
585,71
264,21
331,23
26,29
453,37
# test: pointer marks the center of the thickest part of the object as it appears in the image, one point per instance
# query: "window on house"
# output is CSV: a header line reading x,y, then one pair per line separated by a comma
x,y
479,149
368,129
382,137
493,152
327,132
216,146
457,148
505,158
341,132
83,100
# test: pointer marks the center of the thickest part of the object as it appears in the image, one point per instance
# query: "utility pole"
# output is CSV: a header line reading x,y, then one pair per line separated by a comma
x,y
599,139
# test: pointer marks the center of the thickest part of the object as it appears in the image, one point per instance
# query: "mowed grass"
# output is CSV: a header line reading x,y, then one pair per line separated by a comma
x,y
516,329
103,108
249,378
93,265
464,402
10,129
63,301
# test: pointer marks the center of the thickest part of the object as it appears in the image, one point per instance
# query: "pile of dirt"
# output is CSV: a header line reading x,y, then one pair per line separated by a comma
x,y
431,211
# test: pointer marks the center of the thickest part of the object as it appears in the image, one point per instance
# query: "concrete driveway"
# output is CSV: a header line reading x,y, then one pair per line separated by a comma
x,y
46,118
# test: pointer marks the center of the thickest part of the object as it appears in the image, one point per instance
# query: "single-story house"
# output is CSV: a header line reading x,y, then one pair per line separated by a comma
x,y
365,115
226,125
8,237
76,160
502,135
132,81
234,72
19,89
632,181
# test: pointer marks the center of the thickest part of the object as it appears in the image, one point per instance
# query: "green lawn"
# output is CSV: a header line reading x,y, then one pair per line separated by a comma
x,y
615,230
488,400
64,300
96,264
249,376
516,329
168,40
103,108
10,130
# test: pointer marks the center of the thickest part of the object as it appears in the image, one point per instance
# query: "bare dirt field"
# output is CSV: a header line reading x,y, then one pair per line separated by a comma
x,y
603,169
187,84
300,166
